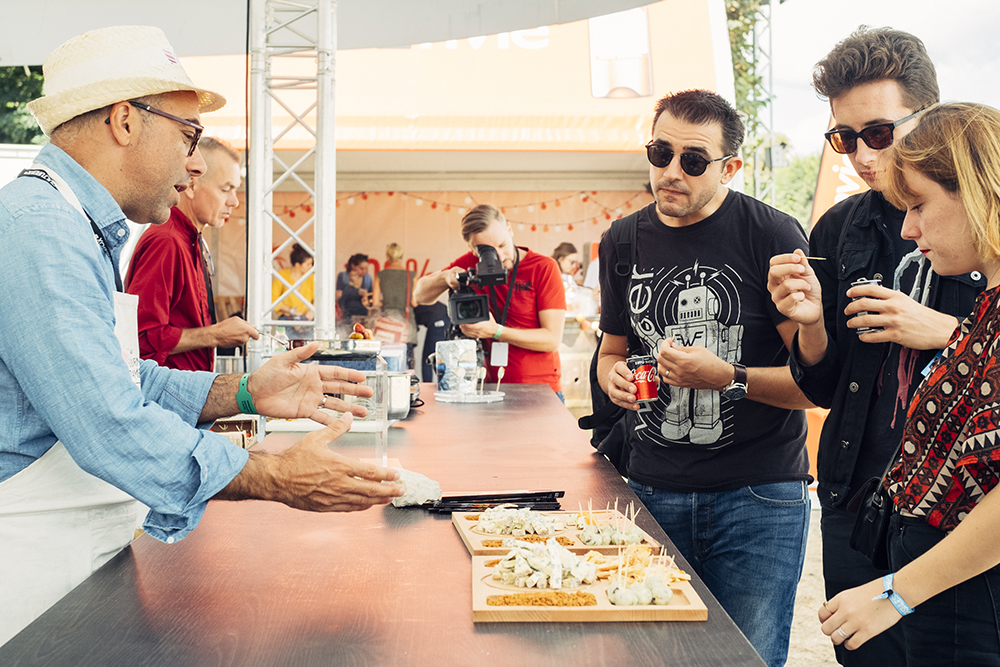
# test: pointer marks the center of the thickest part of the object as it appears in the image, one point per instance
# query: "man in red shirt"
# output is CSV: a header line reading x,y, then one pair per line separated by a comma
x,y
535,312
171,270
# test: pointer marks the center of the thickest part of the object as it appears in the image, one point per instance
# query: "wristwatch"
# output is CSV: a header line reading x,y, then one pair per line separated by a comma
x,y
737,389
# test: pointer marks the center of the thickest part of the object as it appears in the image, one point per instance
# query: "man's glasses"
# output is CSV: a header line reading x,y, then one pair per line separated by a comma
x,y
183,121
660,156
877,137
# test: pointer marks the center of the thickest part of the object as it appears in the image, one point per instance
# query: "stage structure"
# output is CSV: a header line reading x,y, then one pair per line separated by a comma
x,y
281,30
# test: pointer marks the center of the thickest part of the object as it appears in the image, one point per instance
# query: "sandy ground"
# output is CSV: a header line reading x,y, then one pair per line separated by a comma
x,y
809,647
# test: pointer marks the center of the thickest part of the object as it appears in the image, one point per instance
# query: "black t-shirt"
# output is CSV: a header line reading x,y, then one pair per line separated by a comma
x,y
891,399
706,284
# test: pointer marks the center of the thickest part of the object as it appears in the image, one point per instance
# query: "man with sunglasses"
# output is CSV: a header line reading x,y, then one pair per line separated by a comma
x,y
87,429
171,271
719,457
861,349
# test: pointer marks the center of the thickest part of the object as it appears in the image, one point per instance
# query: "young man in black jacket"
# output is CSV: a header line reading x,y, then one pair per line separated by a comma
x,y
860,349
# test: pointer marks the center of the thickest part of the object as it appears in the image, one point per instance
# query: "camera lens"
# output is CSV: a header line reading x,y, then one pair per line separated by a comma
x,y
468,310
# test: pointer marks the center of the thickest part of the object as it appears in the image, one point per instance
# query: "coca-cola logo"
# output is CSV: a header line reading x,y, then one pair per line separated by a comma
x,y
645,374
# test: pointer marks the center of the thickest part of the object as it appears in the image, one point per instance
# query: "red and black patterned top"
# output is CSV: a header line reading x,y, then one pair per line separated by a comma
x,y
951,444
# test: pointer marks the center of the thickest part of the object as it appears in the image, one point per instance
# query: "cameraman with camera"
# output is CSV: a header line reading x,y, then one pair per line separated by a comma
x,y
523,324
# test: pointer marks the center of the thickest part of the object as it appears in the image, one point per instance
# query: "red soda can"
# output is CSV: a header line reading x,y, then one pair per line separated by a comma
x,y
644,370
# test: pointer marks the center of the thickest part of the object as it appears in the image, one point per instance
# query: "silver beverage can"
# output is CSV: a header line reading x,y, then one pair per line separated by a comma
x,y
865,281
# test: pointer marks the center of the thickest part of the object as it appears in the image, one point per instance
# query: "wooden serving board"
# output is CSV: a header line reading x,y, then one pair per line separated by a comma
x,y
685,606
474,540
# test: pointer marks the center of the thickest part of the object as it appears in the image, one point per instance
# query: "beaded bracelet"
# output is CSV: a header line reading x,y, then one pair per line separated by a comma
x,y
893,597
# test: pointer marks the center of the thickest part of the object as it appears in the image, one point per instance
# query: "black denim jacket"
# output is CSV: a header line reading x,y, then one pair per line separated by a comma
x,y
853,238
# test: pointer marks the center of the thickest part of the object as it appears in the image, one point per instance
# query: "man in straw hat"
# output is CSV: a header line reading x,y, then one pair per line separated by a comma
x,y
85,426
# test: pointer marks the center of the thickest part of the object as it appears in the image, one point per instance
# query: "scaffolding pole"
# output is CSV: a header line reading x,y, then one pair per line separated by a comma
x,y
763,163
283,32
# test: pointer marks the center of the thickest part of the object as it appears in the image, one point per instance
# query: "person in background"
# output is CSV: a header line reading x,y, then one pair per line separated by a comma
x,y
568,259
944,554
291,307
530,307
860,349
86,427
719,458
393,293
434,318
171,271
354,289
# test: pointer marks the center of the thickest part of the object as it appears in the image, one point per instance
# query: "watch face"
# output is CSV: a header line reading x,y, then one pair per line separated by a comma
x,y
735,392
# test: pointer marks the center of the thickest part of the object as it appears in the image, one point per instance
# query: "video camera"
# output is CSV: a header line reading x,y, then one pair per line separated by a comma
x,y
464,305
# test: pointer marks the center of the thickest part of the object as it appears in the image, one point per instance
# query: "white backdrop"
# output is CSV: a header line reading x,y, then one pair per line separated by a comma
x,y
30,30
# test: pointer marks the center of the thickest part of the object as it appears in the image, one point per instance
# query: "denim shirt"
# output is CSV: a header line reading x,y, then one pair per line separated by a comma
x,y
62,376
856,242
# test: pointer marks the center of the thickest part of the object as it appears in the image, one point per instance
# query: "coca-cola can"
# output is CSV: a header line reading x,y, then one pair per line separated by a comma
x,y
644,371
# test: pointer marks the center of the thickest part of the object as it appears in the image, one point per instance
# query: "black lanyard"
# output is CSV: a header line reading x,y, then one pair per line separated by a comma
x,y
510,292
98,236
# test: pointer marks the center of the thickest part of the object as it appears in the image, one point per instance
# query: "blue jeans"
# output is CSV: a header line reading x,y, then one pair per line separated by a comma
x,y
748,546
960,626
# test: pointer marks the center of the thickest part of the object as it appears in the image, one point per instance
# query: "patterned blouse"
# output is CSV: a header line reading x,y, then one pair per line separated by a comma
x,y
951,445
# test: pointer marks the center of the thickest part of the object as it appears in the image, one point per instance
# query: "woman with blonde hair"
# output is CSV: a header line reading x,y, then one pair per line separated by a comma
x,y
393,292
943,546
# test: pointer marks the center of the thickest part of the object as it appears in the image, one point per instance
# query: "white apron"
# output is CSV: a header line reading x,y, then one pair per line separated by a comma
x,y
58,523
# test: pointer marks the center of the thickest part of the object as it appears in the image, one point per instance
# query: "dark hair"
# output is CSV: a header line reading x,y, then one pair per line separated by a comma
x,y
564,249
701,107
478,219
355,260
878,54
299,254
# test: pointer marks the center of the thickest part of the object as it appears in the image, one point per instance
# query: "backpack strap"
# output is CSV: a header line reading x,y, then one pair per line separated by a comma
x,y
624,232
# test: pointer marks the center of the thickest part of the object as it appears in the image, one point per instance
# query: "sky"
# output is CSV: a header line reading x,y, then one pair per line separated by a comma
x,y
962,38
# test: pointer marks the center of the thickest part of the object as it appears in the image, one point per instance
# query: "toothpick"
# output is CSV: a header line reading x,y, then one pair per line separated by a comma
x,y
817,259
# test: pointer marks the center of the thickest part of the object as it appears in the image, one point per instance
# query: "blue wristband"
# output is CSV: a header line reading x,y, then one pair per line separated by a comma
x,y
893,597
243,398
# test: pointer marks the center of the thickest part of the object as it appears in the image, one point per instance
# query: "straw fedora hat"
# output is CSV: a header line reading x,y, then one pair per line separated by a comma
x,y
110,65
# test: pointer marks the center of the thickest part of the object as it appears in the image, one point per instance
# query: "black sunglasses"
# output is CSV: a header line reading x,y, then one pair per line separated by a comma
x,y
877,137
660,156
198,129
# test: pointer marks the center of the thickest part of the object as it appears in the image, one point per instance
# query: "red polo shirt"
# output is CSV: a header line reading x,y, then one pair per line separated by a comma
x,y
166,274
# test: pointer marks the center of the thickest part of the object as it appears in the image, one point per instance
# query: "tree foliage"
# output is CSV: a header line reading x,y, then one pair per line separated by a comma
x,y
18,86
796,186
794,182
742,19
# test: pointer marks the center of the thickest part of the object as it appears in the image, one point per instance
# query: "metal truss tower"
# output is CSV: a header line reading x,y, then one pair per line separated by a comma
x,y
283,35
763,163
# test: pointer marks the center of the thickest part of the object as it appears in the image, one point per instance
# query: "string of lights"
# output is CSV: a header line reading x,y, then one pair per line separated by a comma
x,y
604,211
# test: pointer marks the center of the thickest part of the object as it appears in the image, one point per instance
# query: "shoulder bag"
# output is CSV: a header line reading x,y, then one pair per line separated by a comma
x,y
871,525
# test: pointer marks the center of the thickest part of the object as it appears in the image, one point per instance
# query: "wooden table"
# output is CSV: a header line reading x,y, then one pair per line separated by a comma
x,y
258,583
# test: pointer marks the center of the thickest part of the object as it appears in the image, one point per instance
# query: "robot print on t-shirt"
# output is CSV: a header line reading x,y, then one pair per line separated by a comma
x,y
696,306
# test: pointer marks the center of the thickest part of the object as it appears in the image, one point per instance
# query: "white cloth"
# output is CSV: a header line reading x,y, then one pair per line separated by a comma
x,y
59,523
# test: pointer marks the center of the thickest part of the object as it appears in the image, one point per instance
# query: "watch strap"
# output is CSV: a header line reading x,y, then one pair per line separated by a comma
x,y
737,389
